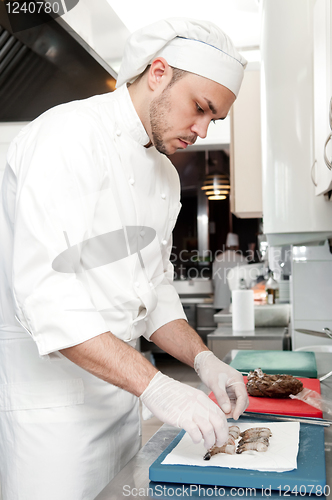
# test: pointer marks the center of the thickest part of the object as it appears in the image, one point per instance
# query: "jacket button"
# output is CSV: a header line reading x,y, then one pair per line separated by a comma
x,y
118,132
135,324
146,318
131,180
151,284
164,242
137,284
163,196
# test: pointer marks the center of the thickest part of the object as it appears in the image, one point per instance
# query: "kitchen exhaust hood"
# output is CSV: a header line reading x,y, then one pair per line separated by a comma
x,y
46,65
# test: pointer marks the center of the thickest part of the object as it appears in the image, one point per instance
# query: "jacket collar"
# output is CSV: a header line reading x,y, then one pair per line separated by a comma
x,y
130,118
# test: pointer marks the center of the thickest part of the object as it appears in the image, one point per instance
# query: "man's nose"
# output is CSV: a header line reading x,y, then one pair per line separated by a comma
x,y
200,128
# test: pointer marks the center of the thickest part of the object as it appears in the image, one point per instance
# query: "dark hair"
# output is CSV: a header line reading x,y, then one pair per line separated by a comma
x,y
177,75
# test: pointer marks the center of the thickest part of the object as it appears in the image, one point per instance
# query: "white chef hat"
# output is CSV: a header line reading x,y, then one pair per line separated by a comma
x,y
196,46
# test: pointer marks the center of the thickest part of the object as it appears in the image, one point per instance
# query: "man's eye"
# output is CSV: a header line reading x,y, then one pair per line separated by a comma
x,y
199,108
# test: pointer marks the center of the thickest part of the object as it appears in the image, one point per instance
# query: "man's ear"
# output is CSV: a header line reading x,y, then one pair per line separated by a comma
x,y
160,73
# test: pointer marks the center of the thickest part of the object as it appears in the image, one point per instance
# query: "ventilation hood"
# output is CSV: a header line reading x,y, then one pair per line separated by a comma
x,y
46,65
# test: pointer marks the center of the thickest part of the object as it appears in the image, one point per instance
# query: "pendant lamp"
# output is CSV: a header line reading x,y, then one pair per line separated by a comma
x,y
216,186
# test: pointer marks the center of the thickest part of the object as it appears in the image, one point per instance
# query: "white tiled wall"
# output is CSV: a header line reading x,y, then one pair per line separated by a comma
x,y
7,132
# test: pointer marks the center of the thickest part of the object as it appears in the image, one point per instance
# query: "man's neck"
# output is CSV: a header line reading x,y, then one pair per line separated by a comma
x,y
135,96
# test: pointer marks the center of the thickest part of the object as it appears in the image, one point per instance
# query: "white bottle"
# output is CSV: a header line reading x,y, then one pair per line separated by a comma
x,y
272,289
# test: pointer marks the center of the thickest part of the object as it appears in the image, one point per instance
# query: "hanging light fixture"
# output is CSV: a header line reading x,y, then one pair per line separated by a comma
x,y
216,186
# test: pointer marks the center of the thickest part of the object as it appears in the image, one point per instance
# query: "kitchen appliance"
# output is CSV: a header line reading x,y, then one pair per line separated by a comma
x,y
223,340
293,214
197,302
265,315
205,323
196,298
190,311
46,65
196,287
311,290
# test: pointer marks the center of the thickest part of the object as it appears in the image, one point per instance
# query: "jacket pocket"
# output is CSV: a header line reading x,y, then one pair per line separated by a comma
x,y
34,395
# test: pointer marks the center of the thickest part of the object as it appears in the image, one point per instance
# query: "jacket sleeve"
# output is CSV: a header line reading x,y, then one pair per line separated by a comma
x,y
58,180
169,307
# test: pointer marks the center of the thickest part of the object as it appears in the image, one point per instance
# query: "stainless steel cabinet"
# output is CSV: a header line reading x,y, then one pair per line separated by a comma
x,y
291,211
205,316
190,312
322,21
224,340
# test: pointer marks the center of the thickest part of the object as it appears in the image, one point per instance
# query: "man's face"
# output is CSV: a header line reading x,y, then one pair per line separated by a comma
x,y
183,112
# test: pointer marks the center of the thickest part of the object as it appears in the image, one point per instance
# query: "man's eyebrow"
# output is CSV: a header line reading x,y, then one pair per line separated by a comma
x,y
212,108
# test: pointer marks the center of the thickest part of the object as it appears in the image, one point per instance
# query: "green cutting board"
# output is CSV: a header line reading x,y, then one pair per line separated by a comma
x,y
297,363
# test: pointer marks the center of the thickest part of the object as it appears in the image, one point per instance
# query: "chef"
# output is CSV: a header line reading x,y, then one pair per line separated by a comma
x,y
89,201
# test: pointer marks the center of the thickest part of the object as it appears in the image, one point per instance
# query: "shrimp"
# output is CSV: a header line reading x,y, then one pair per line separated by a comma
x,y
253,445
234,431
256,431
254,439
228,448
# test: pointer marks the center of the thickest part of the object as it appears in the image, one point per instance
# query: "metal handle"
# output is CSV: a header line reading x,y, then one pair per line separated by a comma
x,y
325,376
312,177
327,161
328,332
323,333
285,418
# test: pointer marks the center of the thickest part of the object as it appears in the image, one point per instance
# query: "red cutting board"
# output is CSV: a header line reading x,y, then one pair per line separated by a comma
x,y
285,406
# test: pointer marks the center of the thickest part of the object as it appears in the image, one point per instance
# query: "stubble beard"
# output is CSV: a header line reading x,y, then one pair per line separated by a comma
x,y
159,109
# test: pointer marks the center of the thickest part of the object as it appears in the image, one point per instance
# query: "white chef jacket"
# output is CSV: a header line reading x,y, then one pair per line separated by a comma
x,y
77,175
77,172
220,267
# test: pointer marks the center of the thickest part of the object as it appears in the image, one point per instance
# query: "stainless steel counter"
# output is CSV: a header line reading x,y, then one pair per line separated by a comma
x,y
133,480
135,475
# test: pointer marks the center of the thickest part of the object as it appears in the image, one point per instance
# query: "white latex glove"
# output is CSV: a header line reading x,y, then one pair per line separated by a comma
x,y
190,409
225,382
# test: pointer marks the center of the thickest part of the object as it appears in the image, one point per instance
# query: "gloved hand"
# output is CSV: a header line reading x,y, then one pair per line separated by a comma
x,y
225,382
190,409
